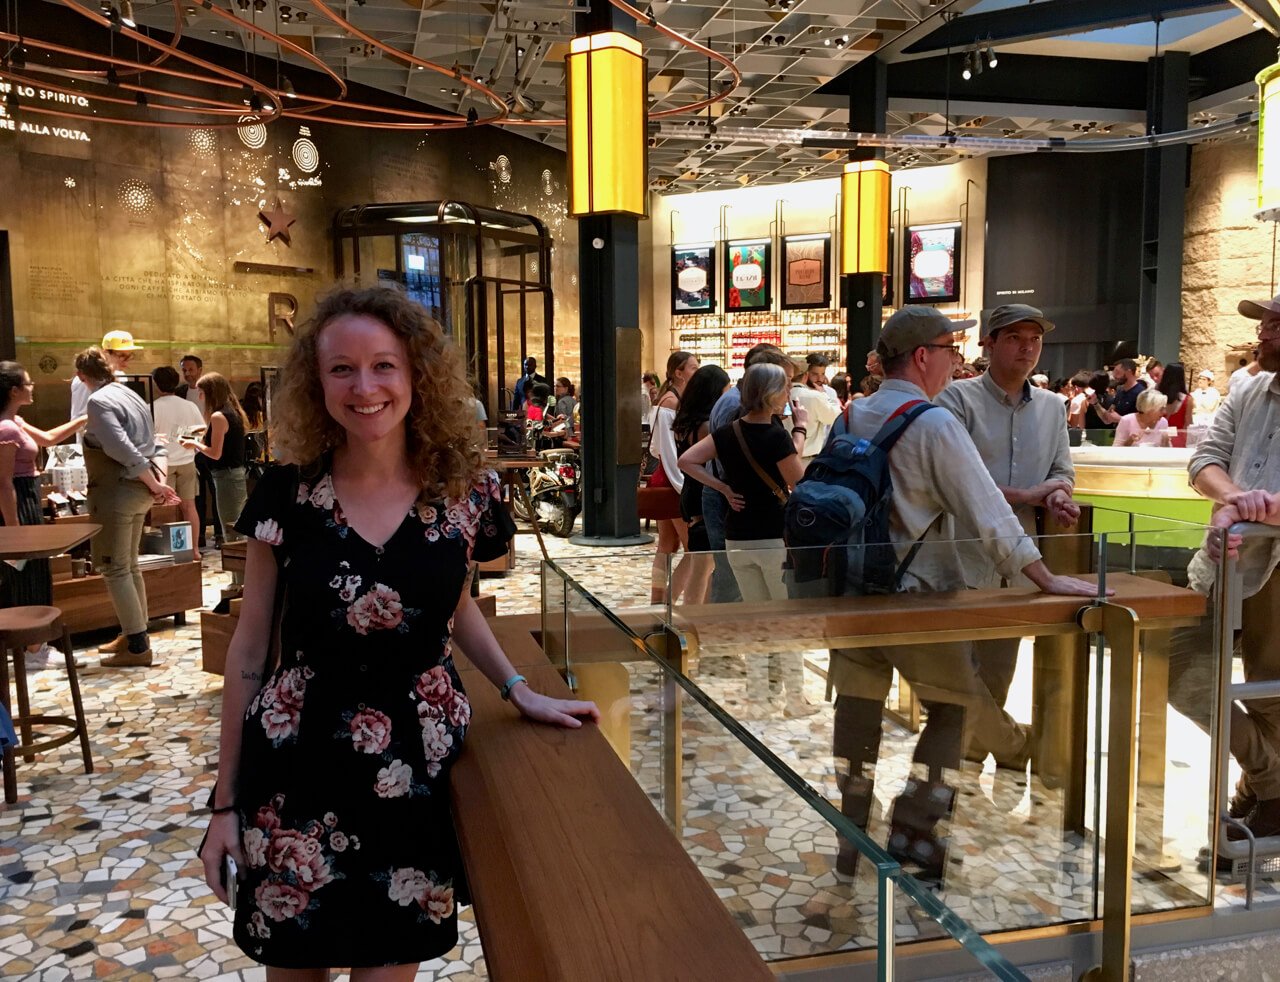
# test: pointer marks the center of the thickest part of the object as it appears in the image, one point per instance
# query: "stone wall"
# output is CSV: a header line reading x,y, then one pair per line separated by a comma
x,y
1227,255
116,228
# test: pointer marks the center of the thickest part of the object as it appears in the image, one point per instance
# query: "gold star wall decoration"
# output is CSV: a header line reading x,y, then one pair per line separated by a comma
x,y
277,221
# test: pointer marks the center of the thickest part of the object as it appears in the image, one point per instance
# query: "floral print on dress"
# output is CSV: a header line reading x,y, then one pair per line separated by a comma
x,y
443,714
463,518
408,886
295,863
269,531
378,609
370,731
278,704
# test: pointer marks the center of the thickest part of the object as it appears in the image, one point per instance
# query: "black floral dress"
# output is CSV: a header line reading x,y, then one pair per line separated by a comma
x,y
342,793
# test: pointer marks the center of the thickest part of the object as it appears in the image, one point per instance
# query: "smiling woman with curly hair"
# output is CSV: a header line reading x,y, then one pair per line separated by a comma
x,y
332,792
440,423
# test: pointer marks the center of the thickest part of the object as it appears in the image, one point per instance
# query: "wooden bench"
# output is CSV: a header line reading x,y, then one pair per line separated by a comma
x,y
575,876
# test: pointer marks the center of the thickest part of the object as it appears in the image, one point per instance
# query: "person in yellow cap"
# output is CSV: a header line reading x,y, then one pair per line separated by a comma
x,y
119,347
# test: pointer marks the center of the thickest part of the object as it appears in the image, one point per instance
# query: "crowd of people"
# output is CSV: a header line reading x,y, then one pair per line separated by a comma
x,y
189,447
968,483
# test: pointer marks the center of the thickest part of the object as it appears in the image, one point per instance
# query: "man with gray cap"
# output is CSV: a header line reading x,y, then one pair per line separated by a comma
x,y
1237,466
1020,433
938,477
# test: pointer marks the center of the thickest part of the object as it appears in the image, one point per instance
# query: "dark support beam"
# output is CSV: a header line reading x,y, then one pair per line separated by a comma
x,y
868,107
609,318
1163,210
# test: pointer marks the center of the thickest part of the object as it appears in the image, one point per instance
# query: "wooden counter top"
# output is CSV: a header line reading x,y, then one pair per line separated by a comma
x,y
574,874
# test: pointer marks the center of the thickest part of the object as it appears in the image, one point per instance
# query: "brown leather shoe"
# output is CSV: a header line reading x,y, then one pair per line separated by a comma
x,y
114,647
128,659
1263,821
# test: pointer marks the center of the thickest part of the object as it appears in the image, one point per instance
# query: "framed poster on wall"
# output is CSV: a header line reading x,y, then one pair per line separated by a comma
x,y
747,276
931,263
693,278
806,271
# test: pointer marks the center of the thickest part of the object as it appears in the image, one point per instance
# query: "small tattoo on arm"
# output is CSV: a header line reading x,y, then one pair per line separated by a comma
x,y
251,676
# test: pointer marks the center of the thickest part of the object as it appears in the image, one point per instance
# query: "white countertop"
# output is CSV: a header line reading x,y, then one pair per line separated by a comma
x,y
1171,457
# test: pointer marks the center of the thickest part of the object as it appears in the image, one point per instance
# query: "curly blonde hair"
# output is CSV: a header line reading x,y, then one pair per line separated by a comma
x,y
441,422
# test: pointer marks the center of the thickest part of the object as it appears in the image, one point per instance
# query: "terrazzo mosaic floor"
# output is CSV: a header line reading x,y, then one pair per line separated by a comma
x,y
98,877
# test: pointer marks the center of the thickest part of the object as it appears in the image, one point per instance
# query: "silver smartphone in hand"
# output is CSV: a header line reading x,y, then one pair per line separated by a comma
x,y
230,880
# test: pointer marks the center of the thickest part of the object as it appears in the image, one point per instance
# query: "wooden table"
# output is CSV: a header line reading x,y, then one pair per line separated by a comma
x,y
43,541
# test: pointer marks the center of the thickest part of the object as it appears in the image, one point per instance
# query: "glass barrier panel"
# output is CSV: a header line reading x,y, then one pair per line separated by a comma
x,y
555,627
799,876
1177,710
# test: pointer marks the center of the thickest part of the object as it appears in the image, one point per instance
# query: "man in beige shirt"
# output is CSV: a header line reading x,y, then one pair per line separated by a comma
x,y
1020,433
937,478
1237,466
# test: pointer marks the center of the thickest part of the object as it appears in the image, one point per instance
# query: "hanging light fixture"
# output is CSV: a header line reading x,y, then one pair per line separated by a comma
x,y
977,59
607,150
1268,144
967,72
126,13
864,217
992,60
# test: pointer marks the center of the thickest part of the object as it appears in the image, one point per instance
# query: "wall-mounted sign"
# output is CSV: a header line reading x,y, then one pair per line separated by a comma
x,y
806,271
747,266
36,127
932,263
693,279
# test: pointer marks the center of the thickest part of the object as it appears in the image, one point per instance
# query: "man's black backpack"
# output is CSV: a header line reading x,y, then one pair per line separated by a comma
x,y
836,523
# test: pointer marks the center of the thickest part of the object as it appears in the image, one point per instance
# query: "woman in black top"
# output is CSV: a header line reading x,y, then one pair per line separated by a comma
x,y
224,446
753,527
691,424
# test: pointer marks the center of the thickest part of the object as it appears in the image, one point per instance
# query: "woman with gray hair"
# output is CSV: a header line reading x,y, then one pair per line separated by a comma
x,y
1147,427
761,464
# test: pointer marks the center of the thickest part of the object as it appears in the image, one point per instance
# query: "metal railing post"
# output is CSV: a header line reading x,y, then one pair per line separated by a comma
x,y
884,928
1119,626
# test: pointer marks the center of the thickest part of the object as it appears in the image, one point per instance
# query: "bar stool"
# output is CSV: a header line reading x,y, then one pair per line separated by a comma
x,y
19,627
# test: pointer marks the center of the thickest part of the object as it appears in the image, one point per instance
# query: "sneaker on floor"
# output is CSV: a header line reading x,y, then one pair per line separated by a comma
x,y
120,644
128,659
34,661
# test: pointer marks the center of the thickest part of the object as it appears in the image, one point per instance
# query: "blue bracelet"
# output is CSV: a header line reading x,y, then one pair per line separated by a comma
x,y
510,684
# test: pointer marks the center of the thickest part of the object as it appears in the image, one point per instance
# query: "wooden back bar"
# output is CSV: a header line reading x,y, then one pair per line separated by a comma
x,y
575,875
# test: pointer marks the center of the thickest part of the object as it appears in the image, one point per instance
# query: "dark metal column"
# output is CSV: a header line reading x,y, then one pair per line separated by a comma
x,y
1163,209
868,104
609,315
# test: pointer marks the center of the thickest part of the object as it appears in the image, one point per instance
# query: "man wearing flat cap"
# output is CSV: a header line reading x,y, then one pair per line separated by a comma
x,y
938,477
1020,432
1237,466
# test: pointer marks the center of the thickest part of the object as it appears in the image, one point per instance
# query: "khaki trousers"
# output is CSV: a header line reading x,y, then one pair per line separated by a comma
x,y
1193,685
943,674
119,504
1255,729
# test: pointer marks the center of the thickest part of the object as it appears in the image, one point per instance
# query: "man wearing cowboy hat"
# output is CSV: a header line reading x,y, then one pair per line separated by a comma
x,y
1020,431
119,347
1237,467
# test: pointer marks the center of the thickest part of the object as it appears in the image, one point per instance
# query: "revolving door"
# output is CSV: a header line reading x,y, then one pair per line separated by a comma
x,y
484,274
